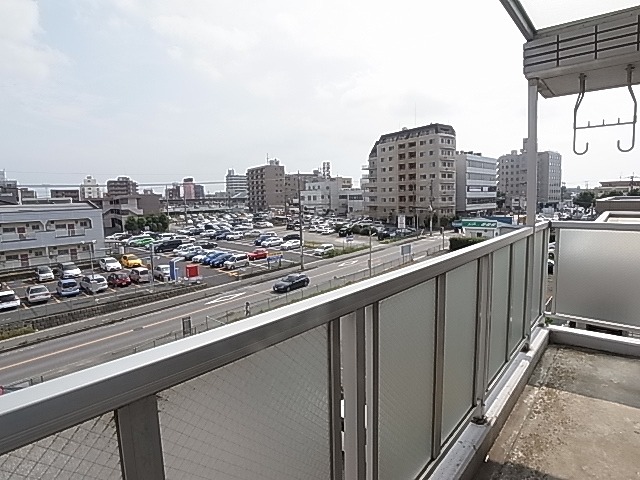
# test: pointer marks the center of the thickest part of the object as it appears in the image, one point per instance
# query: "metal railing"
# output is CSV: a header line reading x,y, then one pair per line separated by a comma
x,y
404,361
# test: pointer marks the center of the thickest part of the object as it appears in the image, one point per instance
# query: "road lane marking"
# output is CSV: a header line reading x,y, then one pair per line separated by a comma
x,y
347,263
225,298
68,349
418,258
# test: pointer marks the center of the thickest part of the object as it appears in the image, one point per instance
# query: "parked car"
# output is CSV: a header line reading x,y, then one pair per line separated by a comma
x,y
239,260
182,249
140,275
119,279
326,230
44,274
345,231
291,282
9,299
263,236
192,252
37,294
67,287
68,270
219,260
141,242
233,236
291,236
323,249
206,245
130,261
290,245
131,240
272,242
162,272
117,237
208,258
168,245
258,254
109,264
94,283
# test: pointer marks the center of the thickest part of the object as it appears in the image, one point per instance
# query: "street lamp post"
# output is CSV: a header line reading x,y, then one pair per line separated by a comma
x,y
301,226
91,244
370,265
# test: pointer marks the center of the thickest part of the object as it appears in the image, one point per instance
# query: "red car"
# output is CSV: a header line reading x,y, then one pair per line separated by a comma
x,y
259,253
118,279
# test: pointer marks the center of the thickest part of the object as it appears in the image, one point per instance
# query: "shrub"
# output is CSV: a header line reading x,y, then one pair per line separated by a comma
x,y
456,243
16,332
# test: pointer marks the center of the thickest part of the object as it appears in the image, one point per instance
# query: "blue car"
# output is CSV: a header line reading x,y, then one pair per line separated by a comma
x,y
210,256
68,287
220,259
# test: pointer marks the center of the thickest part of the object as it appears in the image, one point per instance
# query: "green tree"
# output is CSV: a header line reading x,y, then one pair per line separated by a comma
x,y
163,222
612,193
142,222
635,192
131,224
584,199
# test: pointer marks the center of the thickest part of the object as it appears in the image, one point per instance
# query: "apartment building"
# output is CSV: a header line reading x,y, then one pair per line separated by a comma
x,y
122,186
265,186
116,209
410,171
476,184
235,183
512,178
43,234
90,189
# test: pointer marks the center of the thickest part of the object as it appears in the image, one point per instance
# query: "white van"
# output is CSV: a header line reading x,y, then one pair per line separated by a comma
x,y
323,249
237,261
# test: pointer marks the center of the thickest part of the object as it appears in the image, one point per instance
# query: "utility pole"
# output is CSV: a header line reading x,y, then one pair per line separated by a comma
x,y
301,225
431,208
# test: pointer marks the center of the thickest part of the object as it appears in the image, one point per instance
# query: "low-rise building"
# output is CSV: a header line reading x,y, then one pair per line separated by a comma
x,y
116,209
43,234
622,186
90,188
350,202
72,193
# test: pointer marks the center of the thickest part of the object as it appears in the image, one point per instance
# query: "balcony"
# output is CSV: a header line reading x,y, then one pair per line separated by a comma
x,y
17,237
77,232
421,365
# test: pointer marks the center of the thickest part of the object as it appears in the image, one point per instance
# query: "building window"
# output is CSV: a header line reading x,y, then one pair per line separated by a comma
x,y
431,141
401,145
11,257
38,253
8,229
63,252
60,227
401,156
390,148
84,224
35,226
430,152
432,175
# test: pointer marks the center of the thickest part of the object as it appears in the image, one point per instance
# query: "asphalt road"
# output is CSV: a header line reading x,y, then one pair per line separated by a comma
x,y
74,352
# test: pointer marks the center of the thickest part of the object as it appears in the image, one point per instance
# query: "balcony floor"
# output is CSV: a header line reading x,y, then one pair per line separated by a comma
x,y
578,418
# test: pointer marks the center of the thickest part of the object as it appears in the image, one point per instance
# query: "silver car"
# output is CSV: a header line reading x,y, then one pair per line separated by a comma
x,y
93,283
37,294
44,274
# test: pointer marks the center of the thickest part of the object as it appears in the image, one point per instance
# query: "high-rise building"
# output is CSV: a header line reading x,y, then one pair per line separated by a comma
x,y
173,192
198,192
122,186
476,184
512,178
90,189
265,185
410,171
235,183
188,188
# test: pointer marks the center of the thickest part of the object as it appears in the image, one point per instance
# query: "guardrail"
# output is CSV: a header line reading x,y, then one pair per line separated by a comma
x,y
405,360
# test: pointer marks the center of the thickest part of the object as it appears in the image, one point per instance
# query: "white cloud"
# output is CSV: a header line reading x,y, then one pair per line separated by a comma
x,y
21,53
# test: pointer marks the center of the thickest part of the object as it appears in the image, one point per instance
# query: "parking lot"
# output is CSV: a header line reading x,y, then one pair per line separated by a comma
x,y
211,276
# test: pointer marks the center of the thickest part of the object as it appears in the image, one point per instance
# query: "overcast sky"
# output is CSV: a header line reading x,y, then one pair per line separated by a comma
x,y
163,89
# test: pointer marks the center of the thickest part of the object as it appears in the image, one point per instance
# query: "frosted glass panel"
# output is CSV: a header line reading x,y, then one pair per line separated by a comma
x,y
499,311
538,255
406,360
518,282
265,416
596,274
459,346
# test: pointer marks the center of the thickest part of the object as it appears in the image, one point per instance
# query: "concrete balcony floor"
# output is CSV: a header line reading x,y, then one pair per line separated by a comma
x,y
578,418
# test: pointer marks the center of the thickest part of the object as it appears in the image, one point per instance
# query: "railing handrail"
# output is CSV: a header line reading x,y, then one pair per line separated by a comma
x,y
578,225
44,409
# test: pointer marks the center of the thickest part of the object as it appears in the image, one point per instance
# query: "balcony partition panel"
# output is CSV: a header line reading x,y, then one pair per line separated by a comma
x,y
595,273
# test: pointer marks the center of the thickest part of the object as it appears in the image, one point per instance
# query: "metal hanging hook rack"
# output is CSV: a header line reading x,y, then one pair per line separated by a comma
x,y
633,123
